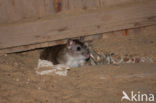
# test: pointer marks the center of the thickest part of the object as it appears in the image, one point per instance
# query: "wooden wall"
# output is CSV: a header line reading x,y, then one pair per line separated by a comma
x,y
15,10
93,4
62,19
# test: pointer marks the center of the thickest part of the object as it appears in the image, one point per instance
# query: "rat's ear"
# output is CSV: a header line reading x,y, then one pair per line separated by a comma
x,y
69,43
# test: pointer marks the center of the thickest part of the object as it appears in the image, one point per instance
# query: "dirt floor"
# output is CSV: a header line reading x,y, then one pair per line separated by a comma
x,y
89,84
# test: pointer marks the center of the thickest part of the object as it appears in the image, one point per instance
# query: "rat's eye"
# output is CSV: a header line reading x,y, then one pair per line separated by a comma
x,y
78,48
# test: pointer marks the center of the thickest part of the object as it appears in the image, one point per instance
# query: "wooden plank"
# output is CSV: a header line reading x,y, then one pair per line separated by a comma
x,y
78,24
148,30
15,10
93,4
45,44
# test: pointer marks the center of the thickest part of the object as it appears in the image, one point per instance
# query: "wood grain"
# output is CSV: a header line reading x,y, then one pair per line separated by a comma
x,y
45,44
16,10
75,25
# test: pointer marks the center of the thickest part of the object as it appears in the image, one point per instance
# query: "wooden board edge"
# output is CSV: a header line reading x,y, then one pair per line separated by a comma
x,y
44,44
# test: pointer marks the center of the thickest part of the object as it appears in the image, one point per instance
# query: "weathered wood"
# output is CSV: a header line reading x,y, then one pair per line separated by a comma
x,y
77,24
15,10
93,4
137,31
42,45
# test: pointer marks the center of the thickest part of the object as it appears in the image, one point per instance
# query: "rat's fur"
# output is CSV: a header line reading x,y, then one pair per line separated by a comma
x,y
67,54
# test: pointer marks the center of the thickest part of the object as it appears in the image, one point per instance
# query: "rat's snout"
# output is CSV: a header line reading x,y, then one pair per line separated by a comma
x,y
87,56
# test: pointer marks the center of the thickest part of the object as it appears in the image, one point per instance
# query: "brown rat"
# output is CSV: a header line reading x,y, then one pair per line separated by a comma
x,y
73,54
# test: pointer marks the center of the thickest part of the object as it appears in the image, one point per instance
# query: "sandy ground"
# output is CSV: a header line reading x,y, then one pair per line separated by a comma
x,y
90,84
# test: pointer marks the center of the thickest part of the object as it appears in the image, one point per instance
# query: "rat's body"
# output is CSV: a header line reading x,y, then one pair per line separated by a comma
x,y
73,54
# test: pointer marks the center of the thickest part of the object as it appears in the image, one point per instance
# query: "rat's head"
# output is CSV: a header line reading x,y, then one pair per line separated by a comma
x,y
78,48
